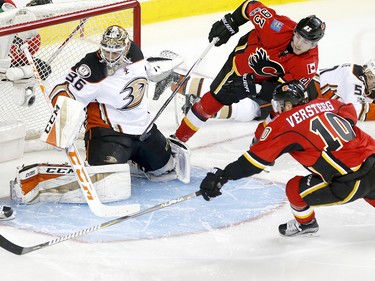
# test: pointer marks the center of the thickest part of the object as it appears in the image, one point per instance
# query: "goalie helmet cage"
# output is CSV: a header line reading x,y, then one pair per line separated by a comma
x,y
67,32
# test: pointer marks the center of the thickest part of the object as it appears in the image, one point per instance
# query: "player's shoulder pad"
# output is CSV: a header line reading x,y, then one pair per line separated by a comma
x,y
90,68
135,54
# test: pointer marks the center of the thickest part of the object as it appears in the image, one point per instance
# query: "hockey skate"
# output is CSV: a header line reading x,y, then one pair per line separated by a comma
x,y
183,103
163,85
6,213
294,228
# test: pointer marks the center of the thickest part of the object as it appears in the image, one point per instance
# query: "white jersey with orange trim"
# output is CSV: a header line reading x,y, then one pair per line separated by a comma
x,y
112,101
346,83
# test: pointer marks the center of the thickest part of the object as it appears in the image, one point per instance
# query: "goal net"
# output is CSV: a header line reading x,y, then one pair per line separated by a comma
x,y
67,32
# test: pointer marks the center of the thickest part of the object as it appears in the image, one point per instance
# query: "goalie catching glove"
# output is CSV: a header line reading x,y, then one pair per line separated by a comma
x,y
160,67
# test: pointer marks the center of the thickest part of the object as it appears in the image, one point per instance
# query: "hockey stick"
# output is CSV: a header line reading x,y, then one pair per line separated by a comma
x,y
79,169
145,134
19,250
59,49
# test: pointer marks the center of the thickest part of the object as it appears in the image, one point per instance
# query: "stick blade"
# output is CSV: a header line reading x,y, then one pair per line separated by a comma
x,y
10,246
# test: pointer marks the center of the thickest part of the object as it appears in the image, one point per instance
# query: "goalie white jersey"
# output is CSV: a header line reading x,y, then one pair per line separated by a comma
x,y
112,101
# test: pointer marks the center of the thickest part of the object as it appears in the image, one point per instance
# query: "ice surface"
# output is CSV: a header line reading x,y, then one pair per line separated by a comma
x,y
252,250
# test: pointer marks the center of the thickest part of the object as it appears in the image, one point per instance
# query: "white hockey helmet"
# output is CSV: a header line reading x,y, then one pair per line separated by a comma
x,y
369,70
114,46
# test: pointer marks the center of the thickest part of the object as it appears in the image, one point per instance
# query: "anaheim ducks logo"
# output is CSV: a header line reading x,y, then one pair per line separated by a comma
x,y
263,66
133,93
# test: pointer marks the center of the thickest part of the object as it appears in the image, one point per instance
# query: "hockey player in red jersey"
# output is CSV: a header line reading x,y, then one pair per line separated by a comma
x,y
347,82
323,137
277,47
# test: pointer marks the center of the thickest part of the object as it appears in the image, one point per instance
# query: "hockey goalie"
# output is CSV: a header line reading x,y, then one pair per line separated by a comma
x,y
106,90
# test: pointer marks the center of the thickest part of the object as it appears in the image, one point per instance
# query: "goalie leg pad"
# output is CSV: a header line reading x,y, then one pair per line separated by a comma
x,y
57,183
181,154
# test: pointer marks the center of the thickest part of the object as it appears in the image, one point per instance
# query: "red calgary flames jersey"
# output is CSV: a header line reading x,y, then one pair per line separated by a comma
x,y
266,53
320,135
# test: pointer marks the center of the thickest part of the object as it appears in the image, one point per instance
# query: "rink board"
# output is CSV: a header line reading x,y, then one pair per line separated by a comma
x,y
242,200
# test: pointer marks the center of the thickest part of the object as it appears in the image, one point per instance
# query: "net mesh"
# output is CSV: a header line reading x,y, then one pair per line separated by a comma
x,y
55,50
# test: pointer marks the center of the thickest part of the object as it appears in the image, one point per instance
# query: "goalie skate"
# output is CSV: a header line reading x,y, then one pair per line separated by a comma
x,y
181,171
183,103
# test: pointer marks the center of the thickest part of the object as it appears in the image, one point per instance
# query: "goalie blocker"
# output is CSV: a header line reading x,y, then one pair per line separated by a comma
x,y
64,124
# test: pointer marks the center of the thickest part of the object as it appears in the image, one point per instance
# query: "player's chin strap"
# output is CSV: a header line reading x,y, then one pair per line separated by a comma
x,y
187,76
79,169
19,250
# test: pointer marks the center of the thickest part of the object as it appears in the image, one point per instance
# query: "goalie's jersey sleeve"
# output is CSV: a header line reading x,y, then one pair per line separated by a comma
x,y
345,82
266,50
116,101
320,135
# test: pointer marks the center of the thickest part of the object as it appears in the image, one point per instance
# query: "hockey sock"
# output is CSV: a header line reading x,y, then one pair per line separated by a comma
x,y
197,116
302,212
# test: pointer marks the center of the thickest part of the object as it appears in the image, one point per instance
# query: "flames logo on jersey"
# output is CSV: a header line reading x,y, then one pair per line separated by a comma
x,y
133,92
263,66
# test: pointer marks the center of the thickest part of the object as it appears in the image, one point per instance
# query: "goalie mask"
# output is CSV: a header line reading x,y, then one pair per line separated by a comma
x,y
114,47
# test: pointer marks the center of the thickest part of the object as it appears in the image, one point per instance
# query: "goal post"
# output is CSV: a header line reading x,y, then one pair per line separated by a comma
x,y
66,33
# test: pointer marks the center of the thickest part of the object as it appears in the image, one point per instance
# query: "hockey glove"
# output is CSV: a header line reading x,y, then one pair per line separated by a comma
x,y
223,29
212,183
238,88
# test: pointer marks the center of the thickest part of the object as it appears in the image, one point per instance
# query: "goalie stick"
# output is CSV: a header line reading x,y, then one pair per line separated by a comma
x,y
187,76
79,169
19,250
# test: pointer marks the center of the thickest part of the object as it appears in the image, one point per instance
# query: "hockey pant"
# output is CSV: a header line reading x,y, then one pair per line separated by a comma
x,y
106,146
156,157
306,192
